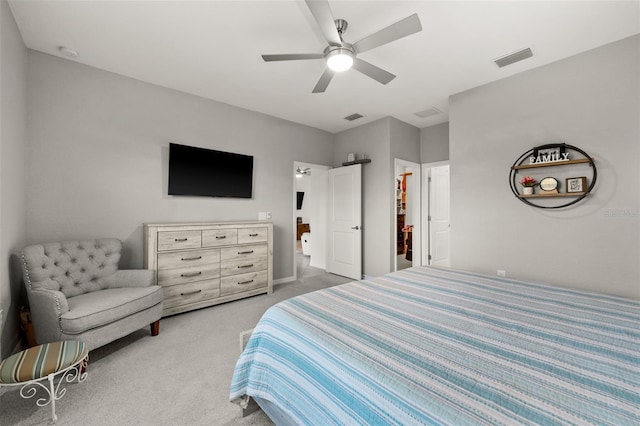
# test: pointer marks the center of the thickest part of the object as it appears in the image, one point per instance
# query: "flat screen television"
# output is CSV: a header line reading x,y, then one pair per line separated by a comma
x,y
209,173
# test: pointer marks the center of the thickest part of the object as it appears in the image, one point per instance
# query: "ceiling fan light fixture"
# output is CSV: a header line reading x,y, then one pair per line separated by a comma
x,y
340,59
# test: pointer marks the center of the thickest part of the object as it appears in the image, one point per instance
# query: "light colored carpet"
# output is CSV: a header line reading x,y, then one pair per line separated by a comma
x,y
180,377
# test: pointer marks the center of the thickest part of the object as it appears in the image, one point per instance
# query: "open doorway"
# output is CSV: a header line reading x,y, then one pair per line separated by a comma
x,y
310,217
407,224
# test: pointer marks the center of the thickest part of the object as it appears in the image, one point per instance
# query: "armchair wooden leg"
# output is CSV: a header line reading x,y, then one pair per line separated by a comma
x,y
155,328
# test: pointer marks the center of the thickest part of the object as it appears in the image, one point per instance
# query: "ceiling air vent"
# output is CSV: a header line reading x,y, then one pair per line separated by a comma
x,y
514,57
428,112
353,117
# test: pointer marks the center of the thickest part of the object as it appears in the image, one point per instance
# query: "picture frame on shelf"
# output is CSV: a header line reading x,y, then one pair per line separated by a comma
x,y
555,153
576,184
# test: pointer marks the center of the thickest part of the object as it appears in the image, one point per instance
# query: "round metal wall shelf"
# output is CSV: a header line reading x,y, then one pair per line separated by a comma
x,y
541,200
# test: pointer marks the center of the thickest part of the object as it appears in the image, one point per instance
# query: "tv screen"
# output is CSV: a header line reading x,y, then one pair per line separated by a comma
x,y
207,172
299,200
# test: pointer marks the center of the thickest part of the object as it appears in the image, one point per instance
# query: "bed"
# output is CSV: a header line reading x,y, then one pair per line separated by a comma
x,y
436,346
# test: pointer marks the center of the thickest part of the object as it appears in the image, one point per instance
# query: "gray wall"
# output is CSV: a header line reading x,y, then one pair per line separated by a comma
x,y
13,95
98,152
404,142
434,143
383,141
591,101
372,139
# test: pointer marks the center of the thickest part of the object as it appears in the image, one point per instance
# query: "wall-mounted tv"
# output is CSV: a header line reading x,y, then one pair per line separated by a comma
x,y
210,173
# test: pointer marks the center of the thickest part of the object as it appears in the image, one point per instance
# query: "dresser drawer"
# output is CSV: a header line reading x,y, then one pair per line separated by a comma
x,y
168,277
243,282
189,258
240,266
252,235
189,293
177,240
243,252
219,237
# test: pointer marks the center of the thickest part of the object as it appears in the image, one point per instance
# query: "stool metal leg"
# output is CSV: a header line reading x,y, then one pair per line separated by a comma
x,y
53,398
76,372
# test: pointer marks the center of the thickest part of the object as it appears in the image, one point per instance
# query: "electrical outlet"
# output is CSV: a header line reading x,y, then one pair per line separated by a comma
x,y
502,273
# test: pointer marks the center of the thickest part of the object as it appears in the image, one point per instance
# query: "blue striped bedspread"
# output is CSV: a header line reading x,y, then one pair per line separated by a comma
x,y
435,346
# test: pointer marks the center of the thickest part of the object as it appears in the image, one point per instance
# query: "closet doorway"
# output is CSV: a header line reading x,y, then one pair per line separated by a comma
x,y
407,248
310,186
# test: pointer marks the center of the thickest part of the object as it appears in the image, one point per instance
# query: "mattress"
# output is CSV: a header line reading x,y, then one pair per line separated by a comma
x,y
435,346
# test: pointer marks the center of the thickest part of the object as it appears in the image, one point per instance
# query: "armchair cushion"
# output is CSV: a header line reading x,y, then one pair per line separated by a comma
x,y
92,310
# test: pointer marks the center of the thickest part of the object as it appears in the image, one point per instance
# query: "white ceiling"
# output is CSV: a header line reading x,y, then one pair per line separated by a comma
x,y
212,48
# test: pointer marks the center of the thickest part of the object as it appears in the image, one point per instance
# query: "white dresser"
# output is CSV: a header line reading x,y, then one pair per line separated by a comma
x,y
207,263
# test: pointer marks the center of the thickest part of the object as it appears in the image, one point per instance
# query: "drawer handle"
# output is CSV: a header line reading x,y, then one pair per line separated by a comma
x,y
245,252
245,282
180,240
220,237
189,293
192,258
245,266
253,235
191,274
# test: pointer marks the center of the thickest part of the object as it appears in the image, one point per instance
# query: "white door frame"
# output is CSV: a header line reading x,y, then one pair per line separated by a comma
x,y
416,213
426,249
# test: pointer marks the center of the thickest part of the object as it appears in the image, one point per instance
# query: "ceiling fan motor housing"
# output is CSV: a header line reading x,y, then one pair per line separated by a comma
x,y
339,58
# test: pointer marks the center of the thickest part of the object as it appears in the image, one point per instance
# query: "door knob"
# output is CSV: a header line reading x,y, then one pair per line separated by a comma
x,y
355,227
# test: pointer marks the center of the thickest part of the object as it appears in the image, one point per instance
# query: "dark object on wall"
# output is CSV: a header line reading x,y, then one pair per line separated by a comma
x,y
207,172
299,200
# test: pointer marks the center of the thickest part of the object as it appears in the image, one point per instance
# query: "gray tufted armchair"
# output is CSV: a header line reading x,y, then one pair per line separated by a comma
x,y
76,292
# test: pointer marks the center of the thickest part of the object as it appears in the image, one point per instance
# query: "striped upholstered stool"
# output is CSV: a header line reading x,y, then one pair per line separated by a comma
x,y
28,368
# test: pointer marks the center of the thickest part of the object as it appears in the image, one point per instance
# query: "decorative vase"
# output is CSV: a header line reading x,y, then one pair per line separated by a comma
x,y
527,190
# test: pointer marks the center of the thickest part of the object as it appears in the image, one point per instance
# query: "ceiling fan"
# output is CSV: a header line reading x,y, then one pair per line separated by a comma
x,y
340,55
301,172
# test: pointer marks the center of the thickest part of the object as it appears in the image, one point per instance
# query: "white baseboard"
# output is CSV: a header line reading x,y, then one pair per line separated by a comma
x,y
284,280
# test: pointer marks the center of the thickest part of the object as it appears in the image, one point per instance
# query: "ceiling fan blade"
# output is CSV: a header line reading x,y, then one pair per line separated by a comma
x,y
322,84
372,71
321,12
292,57
403,28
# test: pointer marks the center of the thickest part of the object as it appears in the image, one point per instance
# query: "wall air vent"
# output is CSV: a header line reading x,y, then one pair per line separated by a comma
x,y
353,117
514,57
428,112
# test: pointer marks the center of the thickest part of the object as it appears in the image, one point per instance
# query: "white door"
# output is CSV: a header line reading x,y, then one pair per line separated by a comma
x,y
439,225
344,237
